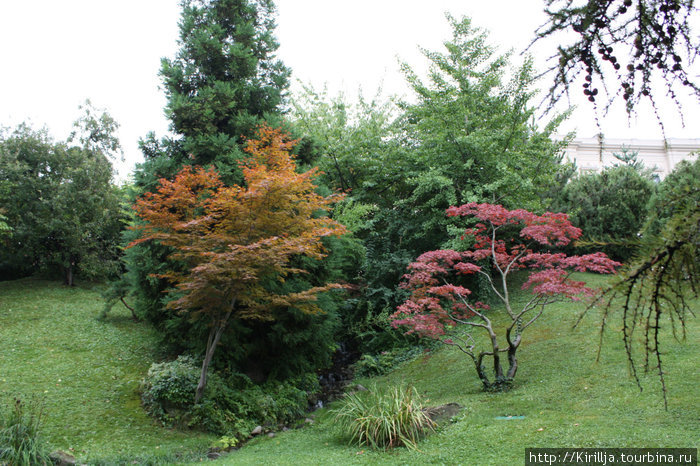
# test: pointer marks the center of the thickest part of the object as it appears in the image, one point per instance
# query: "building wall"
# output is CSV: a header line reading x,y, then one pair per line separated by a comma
x,y
661,156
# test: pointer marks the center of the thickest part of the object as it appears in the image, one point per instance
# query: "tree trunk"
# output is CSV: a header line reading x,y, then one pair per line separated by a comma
x,y
68,275
214,337
512,360
134,317
479,363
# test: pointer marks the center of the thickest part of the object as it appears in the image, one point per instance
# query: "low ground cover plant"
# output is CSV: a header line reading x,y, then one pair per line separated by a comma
x,y
384,418
20,433
231,406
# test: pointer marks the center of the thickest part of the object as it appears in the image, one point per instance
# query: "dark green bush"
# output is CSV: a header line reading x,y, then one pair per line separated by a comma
x,y
372,365
610,207
20,434
676,193
231,406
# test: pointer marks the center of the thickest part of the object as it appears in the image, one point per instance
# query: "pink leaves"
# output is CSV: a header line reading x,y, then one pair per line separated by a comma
x,y
597,262
436,302
556,282
449,291
552,229
494,214
466,268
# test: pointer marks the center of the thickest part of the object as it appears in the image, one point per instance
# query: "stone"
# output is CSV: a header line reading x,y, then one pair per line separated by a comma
x,y
439,414
257,431
61,458
271,435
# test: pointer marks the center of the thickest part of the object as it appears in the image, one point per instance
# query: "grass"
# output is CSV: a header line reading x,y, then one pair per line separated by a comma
x,y
566,397
384,419
87,371
20,433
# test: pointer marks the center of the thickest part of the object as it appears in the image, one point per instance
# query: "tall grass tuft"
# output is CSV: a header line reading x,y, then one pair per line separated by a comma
x,y
384,419
20,439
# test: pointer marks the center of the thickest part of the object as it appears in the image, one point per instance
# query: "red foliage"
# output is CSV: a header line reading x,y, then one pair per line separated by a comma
x,y
230,238
436,302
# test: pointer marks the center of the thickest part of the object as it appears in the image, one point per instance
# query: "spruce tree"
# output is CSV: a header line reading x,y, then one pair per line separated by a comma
x,y
223,82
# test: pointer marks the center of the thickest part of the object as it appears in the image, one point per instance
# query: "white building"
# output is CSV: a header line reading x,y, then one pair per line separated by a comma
x,y
592,154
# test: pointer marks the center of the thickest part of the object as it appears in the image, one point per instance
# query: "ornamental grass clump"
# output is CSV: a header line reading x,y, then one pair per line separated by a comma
x,y
384,419
20,440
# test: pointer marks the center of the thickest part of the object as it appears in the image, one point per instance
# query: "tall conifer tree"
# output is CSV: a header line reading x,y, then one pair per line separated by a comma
x,y
223,83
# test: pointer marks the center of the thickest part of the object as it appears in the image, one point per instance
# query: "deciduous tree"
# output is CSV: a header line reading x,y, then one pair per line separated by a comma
x,y
503,242
222,82
59,201
467,136
230,240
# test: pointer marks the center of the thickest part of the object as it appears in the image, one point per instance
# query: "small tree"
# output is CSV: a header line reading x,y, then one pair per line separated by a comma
x,y
234,239
504,240
610,207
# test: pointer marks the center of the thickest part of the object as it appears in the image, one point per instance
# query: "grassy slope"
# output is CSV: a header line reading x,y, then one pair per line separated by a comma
x,y
87,371
568,400
49,332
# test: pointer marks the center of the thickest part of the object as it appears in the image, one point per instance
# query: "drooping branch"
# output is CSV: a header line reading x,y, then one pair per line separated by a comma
x,y
625,44
656,283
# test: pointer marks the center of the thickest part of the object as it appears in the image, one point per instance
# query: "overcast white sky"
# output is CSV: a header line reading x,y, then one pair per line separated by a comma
x,y
56,54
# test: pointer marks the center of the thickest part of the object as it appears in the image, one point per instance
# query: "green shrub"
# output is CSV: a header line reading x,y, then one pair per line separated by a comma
x,y
20,434
610,207
676,193
372,365
383,419
231,406
169,387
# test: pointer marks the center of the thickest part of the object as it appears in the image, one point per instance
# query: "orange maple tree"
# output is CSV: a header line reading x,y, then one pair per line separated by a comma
x,y
231,238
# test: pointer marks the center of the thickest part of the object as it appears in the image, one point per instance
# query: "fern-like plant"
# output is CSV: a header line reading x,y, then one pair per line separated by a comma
x,y
384,419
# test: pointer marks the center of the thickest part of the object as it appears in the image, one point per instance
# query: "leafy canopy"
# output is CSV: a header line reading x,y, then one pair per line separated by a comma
x,y
230,240
468,135
59,208
610,206
232,237
503,242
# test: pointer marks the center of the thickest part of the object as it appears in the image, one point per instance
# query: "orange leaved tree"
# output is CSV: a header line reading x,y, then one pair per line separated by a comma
x,y
229,239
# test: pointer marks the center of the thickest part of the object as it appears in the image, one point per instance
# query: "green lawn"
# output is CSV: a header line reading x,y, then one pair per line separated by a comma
x,y
88,371
568,400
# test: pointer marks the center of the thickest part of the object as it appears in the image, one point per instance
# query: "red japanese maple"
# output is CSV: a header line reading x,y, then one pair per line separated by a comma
x,y
226,240
503,242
